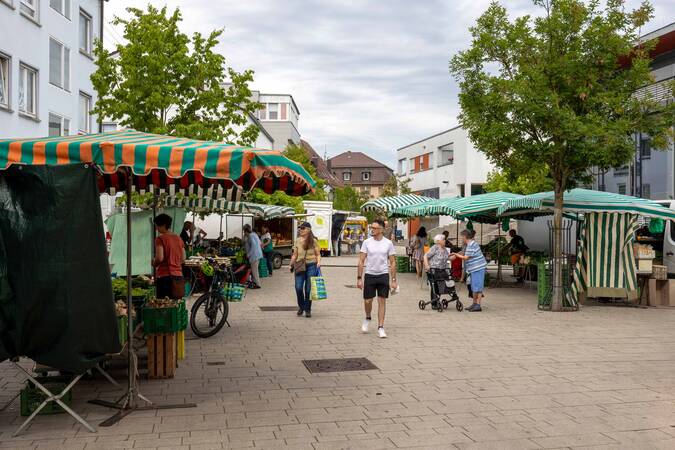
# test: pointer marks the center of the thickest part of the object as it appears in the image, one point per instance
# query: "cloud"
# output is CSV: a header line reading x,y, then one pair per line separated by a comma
x,y
367,75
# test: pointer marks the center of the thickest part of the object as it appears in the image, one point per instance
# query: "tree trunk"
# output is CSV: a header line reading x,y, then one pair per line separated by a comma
x,y
558,292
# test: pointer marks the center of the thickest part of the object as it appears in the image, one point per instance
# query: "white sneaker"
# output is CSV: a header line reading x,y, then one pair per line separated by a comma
x,y
365,325
381,332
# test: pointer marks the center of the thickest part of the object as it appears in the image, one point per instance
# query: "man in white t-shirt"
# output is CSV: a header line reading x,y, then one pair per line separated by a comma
x,y
378,256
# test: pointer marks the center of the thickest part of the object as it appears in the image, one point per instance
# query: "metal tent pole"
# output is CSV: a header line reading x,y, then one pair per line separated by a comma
x,y
499,259
128,402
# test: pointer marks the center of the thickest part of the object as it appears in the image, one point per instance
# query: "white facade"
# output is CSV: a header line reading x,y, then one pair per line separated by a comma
x,y
45,64
444,165
279,115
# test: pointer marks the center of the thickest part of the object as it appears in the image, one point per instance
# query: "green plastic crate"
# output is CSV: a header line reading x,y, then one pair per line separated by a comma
x,y
263,272
165,320
31,397
123,328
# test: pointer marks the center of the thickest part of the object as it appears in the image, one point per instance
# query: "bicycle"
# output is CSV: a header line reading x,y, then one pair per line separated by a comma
x,y
209,313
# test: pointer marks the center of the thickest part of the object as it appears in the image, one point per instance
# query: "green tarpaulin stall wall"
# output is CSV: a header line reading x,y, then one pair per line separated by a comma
x,y
55,292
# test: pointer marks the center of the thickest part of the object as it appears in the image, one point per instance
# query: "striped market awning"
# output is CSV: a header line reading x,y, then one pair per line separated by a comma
x,y
388,204
585,201
478,208
417,210
605,264
165,163
223,206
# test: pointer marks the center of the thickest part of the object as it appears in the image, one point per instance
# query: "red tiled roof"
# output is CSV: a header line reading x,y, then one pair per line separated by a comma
x,y
354,159
320,165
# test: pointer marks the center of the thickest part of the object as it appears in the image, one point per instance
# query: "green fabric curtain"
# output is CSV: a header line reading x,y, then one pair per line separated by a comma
x,y
605,260
141,239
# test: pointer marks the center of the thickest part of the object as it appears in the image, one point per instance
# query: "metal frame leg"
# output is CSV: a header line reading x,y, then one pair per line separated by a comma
x,y
52,397
107,376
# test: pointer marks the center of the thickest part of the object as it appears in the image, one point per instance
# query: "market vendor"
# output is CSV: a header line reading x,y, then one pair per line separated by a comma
x,y
168,260
254,253
268,248
518,248
192,234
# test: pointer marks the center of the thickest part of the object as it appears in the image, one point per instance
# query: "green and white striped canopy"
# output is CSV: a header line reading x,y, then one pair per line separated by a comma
x,y
388,204
221,206
479,208
585,201
416,210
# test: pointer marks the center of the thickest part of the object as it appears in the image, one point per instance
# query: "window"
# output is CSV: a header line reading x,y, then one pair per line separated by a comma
x,y
365,176
646,191
460,189
420,163
402,166
59,64
29,8
621,188
4,81
262,112
61,6
283,108
84,126
477,189
621,171
28,90
446,154
86,36
58,125
346,176
273,111
645,148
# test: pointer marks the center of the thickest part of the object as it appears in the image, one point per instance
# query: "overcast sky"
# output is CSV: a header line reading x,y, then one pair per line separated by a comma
x,y
367,75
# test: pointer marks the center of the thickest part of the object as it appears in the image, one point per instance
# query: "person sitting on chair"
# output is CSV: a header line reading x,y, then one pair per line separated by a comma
x,y
518,249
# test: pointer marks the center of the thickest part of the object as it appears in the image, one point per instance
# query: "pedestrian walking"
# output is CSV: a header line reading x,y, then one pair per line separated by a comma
x,y
377,266
417,246
305,264
267,248
474,265
253,253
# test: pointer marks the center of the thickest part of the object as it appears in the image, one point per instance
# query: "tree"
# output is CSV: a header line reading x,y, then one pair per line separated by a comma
x,y
348,199
396,185
298,154
164,82
536,180
559,90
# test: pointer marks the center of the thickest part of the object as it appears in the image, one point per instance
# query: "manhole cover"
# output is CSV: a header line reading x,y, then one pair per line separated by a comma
x,y
278,308
338,365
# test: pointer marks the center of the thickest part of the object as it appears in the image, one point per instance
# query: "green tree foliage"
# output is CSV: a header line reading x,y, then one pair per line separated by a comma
x,y
552,91
348,198
298,154
536,180
164,82
396,185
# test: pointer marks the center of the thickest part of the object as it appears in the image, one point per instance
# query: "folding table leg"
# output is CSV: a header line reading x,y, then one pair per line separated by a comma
x,y
107,376
52,397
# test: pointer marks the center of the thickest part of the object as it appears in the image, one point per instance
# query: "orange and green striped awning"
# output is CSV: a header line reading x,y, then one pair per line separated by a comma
x,y
165,163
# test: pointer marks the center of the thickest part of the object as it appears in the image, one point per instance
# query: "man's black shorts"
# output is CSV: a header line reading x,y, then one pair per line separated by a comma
x,y
376,286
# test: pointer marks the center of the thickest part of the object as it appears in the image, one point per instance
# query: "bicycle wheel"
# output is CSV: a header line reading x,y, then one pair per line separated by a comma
x,y
208,314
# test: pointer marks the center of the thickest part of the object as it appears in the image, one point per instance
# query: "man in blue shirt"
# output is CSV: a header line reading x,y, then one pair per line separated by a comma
x,y
253,253
475,265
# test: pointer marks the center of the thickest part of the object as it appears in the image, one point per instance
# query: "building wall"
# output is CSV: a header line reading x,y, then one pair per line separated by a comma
x,y
282,132
283,128
26,41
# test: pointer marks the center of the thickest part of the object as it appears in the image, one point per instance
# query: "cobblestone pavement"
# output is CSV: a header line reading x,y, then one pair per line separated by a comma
x,y
510,377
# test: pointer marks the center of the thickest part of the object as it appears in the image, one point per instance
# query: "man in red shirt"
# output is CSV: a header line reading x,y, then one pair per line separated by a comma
x,y
169,258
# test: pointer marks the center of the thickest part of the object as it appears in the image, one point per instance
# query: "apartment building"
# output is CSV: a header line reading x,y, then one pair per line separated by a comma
x,y
360,171
279,116
651,173
46,59
441,166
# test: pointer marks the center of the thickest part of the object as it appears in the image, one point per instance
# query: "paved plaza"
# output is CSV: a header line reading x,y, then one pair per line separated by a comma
x,y
510,377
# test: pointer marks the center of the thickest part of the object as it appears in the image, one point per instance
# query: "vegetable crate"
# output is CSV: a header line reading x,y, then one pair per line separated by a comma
x,y
165,320
162,355
31,397
402,264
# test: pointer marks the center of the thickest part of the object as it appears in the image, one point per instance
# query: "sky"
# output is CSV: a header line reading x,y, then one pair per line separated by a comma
x,y
367,75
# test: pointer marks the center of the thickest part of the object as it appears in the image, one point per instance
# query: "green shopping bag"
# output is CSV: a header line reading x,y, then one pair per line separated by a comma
x,y
318,287
234,292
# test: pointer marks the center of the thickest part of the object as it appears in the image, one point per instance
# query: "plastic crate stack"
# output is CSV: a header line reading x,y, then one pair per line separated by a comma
x,y
165,330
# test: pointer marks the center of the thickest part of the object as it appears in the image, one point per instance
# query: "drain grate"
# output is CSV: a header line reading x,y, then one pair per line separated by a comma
x,y
338,365
278,308
351,286
216,363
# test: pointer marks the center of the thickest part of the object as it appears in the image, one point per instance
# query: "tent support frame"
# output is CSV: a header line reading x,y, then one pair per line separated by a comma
x,y
129,402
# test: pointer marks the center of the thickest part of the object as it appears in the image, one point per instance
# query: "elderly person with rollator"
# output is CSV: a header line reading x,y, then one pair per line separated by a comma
x,y
437,256
474,265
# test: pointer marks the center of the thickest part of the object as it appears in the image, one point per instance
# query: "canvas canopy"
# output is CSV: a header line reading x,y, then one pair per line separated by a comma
x,y
222,206
585,201
479,208
389,204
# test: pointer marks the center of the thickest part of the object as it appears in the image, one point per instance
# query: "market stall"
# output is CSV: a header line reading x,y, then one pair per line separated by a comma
x,y
605,261
127,161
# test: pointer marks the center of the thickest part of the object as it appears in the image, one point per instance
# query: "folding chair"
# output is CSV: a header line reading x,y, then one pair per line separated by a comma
x,y
50,397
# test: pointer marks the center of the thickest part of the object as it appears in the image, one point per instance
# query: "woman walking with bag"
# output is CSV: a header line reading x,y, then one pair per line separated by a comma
x,y
305,264
417,246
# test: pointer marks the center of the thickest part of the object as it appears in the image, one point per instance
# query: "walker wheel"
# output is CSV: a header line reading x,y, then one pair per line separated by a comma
x,y
440,308
445,304
421,304
459,305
